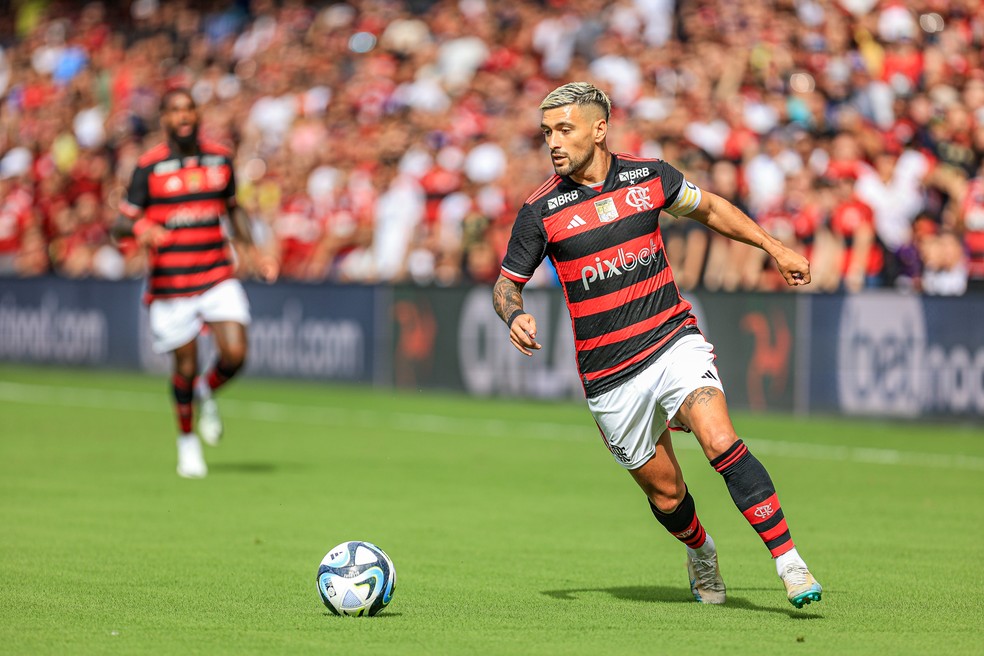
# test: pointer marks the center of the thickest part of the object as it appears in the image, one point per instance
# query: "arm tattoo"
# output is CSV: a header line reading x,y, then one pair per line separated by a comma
x,y
702,396
507,297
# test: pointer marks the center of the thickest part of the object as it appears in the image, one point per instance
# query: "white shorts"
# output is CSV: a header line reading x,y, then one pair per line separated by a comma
x,y
176,321
632,416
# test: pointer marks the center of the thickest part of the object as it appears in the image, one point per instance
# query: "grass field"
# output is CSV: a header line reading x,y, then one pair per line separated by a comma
x,y
512,530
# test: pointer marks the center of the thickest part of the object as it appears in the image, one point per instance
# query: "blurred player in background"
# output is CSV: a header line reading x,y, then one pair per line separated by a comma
x,y
180,191
643,362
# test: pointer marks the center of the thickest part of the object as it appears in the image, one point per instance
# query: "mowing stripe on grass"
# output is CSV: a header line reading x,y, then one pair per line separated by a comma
x,y
457,426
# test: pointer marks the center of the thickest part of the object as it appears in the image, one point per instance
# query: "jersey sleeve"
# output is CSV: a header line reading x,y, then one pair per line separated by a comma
x,y
137,194
230,190
672,180
527,247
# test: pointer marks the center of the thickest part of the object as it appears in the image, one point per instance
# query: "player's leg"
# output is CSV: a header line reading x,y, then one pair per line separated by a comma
x,y
225,309
191,464
705,412
673,506
633,426
174,327
231,344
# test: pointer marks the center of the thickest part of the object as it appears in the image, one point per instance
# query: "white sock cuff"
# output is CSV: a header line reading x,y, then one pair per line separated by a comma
x,y
791,556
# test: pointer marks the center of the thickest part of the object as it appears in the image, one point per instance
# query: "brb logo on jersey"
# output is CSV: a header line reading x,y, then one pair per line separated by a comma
x,y
633,175
562,200
604,269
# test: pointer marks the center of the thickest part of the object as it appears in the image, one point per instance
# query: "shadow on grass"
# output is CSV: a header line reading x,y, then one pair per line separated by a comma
x,y
662,594
242,468
383,613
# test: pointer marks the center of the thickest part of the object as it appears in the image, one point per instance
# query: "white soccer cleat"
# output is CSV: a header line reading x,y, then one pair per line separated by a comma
x,y
801,587
209,422
191,463
705,577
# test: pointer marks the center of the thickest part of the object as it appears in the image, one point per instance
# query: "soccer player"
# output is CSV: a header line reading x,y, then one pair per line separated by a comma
x,y
180,192
644,364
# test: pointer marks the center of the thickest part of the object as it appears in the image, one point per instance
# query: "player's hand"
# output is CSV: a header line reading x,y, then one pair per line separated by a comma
x,y
266,266
522,334
153,235
794,267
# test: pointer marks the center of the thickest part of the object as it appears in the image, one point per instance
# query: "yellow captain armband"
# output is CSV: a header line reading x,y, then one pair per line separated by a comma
x,y
686,201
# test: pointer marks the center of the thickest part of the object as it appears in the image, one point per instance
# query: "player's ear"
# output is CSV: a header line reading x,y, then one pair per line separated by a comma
x,y
600,130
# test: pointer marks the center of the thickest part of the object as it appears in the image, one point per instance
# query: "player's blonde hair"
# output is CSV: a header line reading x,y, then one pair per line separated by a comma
x,y
578,93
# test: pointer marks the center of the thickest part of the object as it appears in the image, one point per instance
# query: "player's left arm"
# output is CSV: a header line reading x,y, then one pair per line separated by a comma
x,y
723,217
265,264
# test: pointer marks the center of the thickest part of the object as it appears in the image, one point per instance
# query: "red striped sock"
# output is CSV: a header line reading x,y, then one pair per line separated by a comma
x,y
753,492
219,374
682,523
183,396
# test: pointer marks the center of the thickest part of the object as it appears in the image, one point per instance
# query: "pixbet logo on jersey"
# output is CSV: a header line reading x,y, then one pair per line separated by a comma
x,y
624,261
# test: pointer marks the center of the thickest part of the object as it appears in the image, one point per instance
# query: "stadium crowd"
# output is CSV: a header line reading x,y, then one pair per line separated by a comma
x,y
388,141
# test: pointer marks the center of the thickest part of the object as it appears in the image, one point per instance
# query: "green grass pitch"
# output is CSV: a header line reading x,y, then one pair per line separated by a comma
x,y
512,529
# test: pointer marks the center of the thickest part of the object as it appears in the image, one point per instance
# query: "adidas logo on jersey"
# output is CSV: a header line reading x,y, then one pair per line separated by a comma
x,y
709,374
576,222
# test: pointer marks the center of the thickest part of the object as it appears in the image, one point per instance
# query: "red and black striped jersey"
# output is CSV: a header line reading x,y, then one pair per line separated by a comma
x,y
188,195
606,246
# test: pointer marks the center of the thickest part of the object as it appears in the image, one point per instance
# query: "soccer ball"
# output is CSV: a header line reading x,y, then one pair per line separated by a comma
x,y
356,578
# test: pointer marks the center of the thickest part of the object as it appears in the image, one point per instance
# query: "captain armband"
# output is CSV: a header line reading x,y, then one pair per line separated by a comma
x,y
686,201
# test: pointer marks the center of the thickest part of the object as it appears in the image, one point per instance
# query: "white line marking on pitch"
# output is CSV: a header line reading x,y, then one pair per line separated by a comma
x,y
423,423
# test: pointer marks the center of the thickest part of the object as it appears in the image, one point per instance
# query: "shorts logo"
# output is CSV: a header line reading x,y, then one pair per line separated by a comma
x,y
562,199
632,174
606,210
638,198
619,453
764,511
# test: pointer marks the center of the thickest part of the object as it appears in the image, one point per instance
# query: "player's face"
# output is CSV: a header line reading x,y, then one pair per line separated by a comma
x,y
180,119
571,133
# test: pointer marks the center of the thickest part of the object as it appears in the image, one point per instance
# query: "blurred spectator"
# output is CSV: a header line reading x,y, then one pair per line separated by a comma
x,y
852,223
383,141
19,225
971,224
945,265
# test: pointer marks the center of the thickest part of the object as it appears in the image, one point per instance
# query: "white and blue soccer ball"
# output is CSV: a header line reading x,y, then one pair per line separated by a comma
x,y
356,578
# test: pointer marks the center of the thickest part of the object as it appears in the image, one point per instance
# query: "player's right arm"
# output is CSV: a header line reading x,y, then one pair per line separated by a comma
x,y
131,221
527,248
507,298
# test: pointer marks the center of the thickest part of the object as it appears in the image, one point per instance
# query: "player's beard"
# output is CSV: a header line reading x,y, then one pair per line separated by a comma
x,y
573,164
186,143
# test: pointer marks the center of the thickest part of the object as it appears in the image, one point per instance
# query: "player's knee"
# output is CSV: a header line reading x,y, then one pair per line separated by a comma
x,y
234,356
186,367
717,443
667,497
